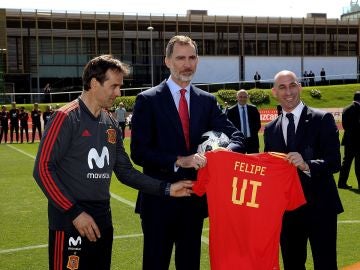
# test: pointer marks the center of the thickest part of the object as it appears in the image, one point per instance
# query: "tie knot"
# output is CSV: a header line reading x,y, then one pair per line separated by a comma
x,y
290,116
182,92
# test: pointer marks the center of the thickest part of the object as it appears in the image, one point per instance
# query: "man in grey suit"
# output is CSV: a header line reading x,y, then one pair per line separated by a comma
x,y
246,118
311,139
167,125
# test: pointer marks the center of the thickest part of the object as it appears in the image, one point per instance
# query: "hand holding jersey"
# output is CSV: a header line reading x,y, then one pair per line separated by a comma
x,y
88,228
195,161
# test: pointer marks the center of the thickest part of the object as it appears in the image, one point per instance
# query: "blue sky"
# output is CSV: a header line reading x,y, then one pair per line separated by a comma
x,y
273,8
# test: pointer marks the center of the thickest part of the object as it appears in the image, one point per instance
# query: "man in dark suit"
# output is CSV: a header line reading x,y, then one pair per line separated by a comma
x,y
311,139
351,141
246,118
164,143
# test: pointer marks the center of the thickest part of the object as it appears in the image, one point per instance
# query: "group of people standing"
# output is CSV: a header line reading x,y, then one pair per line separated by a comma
x,y
308,78
86,146
18,118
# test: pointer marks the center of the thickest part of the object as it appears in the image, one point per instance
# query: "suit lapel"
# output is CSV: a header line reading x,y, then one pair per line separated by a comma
x,y
195,112
279,132
169,108
303,124
238,118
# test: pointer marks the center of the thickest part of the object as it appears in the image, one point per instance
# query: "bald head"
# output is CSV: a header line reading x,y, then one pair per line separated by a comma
x,y
284,73
242,96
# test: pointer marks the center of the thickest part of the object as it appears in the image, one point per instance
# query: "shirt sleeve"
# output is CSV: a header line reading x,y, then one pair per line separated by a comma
x,y
128,175
52,148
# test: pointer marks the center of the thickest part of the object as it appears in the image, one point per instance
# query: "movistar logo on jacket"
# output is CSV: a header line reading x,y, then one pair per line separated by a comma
x,y
99,161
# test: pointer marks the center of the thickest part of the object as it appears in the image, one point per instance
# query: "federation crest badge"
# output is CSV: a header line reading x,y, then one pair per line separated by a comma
x,y
111,135
73,262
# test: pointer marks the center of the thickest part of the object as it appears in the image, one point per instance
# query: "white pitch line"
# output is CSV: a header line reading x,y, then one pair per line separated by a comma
x,y
348,221
21,151
12,250
123,200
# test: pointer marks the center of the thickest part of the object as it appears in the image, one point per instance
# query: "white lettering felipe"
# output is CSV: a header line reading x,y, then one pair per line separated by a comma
x,y
99,160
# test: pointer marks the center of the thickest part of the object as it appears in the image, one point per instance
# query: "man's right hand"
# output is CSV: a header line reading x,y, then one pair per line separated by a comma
x,y
195,161
181,188
86,226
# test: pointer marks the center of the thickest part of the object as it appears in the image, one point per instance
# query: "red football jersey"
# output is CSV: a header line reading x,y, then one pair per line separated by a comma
x,y
247,196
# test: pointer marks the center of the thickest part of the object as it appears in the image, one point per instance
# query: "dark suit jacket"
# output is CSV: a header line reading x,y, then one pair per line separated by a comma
x,y
351,125
157,138
317,140
254,123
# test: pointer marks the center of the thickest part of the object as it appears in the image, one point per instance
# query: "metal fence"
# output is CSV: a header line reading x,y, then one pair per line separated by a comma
x,y
59,96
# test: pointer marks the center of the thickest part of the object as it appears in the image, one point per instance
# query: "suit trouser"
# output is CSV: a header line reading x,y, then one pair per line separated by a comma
x,y
173,224
123,126
350,153
319,228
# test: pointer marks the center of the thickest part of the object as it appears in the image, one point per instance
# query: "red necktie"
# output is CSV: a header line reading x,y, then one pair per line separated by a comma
x,y
184,117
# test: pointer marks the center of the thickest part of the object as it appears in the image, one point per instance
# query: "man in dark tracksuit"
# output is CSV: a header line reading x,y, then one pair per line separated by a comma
x,y
36,121
24,117
80,149
4,123
14,122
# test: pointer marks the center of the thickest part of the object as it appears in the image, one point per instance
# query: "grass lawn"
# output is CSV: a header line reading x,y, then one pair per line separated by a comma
x,y
23,223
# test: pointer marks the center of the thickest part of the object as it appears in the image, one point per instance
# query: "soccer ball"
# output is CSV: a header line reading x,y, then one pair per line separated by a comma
x,y
211,140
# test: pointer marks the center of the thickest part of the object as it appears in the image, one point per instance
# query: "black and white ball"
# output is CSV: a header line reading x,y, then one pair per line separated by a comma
x,y
211,140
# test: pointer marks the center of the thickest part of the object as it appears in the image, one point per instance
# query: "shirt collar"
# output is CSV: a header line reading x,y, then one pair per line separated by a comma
x,y
174,87
297,111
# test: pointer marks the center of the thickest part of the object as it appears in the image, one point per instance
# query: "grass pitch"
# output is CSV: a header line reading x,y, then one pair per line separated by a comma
x,y
23,218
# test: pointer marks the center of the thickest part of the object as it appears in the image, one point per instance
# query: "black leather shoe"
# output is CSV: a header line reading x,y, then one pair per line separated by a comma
x,y
344,186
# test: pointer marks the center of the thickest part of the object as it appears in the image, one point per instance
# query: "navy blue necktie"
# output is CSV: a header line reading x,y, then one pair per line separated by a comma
x,y
244,124
290,135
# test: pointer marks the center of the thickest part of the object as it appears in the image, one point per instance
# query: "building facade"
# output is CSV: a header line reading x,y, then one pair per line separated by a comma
x,y
41,47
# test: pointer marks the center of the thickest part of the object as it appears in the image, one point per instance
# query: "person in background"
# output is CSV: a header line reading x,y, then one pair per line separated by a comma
x,y
278,109
257,78
120,116
14,122
24,127
311,78
4,122
310,138
36,121
167,124
47,92
246,118
47,114
80,149
323,76
351,142
306,78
